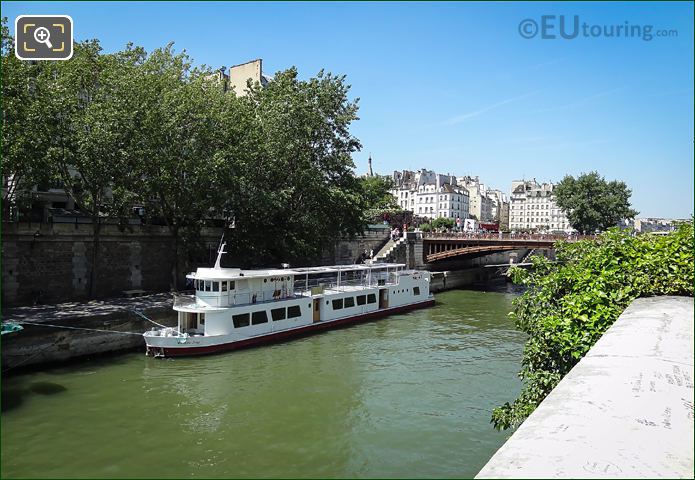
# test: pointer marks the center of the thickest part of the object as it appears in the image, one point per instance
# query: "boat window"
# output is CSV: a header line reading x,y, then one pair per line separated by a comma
x,y
337,304
277,314
259,317
224,286
416,290
241,320
361,299
208,285
371,298
215,286
349,302
294,311
231,285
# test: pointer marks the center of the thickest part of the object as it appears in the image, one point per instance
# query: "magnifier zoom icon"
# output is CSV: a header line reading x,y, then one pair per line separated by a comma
x,y
43,35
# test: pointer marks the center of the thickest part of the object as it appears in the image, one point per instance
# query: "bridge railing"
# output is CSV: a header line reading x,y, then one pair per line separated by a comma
x,y
540,237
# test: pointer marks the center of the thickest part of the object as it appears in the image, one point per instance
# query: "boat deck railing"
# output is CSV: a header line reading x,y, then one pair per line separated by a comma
x,y
301,288
233,300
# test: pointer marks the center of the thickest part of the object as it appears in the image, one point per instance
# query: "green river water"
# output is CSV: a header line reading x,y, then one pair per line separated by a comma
x,y
406,396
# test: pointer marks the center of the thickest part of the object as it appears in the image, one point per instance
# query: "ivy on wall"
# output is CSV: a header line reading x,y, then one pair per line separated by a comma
x,y
569,304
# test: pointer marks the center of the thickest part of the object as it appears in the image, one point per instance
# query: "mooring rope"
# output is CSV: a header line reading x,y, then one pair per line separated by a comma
x,y
24,322
142,315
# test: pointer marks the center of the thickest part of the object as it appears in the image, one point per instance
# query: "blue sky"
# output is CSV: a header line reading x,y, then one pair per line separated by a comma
x,y
454,87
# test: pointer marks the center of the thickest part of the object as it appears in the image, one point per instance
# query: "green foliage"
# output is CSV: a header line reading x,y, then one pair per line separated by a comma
x,y
91,116
569,304
425,227
295,191
376,193
24,131
443,222
78,130
591,203
131,127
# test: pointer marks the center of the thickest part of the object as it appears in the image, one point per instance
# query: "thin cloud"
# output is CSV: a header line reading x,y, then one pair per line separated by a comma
x,y
469,115
581,102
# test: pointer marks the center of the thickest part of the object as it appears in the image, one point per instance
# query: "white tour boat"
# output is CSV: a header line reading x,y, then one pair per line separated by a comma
x,y
235,308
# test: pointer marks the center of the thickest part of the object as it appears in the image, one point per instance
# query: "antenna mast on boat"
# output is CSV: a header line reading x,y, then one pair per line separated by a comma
x,y
220,251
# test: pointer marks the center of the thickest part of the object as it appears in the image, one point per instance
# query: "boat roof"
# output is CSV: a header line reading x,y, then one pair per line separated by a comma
x,y
237,273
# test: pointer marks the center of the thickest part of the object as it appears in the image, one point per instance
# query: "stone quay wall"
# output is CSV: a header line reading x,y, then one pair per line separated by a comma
x,y
71,330
50,263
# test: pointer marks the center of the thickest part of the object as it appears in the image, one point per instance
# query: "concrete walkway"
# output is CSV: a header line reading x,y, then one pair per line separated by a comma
x,y
624,411
94,308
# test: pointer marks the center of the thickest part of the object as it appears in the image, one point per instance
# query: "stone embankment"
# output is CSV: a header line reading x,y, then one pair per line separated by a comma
x,y
50,263
624,411
65,331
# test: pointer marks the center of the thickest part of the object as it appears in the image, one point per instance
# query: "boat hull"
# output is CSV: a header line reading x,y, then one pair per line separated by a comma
x,y
186,350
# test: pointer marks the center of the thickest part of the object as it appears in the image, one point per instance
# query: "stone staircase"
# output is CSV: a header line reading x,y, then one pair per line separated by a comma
x,y
387,251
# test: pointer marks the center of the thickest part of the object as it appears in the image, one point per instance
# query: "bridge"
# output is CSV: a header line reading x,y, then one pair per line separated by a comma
x,y
442,246
419,249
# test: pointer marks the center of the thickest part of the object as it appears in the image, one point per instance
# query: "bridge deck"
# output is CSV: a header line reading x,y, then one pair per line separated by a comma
x,y
446,246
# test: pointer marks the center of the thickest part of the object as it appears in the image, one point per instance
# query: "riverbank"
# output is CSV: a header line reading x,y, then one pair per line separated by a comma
x,y
67,331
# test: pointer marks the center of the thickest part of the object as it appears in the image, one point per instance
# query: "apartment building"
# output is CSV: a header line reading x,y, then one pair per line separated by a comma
x,y
533,207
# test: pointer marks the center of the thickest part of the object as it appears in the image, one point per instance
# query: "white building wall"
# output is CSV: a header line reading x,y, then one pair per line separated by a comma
x,y
533,207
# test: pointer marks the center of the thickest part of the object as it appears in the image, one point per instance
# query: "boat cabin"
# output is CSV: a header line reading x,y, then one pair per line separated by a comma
x,y
229,287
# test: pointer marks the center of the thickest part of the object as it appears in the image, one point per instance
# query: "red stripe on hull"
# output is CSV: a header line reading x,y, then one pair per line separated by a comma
x,y
279,336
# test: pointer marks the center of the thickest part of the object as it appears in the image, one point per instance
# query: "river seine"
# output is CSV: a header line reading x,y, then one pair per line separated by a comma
x,y
406,396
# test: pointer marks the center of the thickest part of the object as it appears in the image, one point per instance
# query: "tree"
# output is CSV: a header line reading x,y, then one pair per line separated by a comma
x,y
25,138
591,203
376,193
129,127
188,145
91,116
443,222
296,190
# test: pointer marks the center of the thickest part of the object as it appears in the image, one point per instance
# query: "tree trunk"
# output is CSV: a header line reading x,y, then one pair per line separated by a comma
x,y
175,264
96,227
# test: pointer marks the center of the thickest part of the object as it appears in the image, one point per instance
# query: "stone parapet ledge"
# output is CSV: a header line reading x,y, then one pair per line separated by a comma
x,y
624,411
